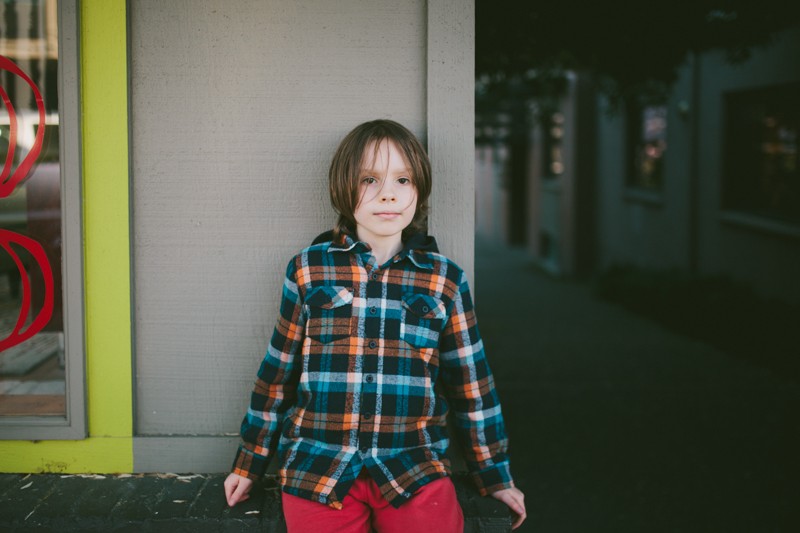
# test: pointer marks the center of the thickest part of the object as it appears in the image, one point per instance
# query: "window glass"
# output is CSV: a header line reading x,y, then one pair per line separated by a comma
x,y
761,175
32,355
647,142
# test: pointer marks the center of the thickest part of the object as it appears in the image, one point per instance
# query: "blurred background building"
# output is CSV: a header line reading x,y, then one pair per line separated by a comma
x,y
655,137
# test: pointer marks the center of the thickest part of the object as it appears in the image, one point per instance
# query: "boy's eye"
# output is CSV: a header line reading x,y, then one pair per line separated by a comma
x,y
369,180
404,181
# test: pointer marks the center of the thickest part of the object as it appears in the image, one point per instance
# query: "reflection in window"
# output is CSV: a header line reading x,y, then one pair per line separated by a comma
x,y
32,365
761,175
647,145
553,160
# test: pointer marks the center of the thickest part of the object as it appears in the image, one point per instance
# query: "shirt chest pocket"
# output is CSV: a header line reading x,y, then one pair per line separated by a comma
x,y
330,313
423,318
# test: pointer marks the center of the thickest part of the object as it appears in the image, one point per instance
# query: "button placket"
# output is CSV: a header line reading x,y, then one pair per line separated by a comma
x,y
372,278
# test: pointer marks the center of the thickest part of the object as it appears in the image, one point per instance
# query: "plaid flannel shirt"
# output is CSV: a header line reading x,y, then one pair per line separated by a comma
x,y
362,365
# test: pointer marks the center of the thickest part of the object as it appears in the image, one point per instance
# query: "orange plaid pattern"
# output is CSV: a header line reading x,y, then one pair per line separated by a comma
x,y
362,367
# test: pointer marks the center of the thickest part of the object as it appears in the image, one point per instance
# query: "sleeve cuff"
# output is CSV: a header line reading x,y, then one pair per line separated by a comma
x,y
493,479
249,465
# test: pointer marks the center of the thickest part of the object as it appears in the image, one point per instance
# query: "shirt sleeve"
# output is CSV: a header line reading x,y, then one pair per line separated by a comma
x,y
276,385
470,388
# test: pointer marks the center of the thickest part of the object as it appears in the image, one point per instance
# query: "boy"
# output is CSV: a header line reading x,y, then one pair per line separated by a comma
x,y
376,334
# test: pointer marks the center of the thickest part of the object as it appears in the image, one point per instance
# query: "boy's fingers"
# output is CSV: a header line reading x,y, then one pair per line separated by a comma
x,y
520,519
231,487
237,489
236,496
240,494
228,489
516,502
519,508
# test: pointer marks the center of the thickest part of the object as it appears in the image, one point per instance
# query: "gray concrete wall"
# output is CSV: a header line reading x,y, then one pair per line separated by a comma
x,y
747,247
649,229
655,230
237,107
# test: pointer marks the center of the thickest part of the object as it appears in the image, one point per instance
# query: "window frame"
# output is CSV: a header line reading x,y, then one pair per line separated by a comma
x,y
73,425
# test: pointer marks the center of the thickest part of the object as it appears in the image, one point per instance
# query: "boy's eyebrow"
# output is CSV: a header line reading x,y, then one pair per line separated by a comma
x,y
405,170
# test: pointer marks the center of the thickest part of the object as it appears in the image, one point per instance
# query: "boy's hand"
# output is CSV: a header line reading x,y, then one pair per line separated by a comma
x,y
516,501
237,488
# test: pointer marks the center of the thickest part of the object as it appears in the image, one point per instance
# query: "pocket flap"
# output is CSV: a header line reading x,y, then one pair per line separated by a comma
x,y
329,297
424,305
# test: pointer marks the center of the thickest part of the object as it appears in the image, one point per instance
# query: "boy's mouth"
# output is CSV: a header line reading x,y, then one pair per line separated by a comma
x,y
387,214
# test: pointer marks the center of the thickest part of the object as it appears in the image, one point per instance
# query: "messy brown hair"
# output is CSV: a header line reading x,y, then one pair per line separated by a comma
x,y
347,163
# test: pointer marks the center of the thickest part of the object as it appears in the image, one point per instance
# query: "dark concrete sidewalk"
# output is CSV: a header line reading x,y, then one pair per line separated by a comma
x,y
165,502
172,503
618,425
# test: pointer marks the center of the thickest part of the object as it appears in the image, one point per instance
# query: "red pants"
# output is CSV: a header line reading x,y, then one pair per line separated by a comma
x,y
434,507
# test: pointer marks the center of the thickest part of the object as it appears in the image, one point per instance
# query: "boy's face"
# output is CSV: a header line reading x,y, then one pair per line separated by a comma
x,y
387,196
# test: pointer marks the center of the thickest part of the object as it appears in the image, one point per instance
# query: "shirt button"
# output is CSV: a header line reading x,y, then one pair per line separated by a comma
x,y
373,344
374,276
373,310
369,378
425,309
367,416
364,449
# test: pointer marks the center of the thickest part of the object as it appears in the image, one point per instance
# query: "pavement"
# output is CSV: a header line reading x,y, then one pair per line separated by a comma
x,y
616,425
153,503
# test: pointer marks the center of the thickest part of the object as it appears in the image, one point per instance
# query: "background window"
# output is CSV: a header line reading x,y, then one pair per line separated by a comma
x,y
647,145
553,135
760,173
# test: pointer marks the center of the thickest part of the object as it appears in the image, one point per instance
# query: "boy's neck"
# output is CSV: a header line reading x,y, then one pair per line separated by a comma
x,y
383,248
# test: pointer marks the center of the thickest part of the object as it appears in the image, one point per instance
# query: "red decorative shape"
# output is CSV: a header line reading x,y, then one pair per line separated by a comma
x,y
8,184
7,238
12,141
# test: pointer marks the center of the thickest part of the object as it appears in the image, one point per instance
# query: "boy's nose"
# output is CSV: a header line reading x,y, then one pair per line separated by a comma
x,y
387,194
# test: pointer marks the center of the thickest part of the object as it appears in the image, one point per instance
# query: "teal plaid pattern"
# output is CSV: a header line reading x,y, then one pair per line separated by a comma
x,y
364,364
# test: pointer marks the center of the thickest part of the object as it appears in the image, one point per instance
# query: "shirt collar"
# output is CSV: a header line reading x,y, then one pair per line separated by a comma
x,y
415,249
345,243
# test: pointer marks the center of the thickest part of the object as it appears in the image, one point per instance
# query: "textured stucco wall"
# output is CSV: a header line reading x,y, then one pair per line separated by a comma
x,y
237,107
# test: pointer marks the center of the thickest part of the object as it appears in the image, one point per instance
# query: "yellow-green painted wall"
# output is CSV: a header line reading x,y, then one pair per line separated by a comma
x,y
104,97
